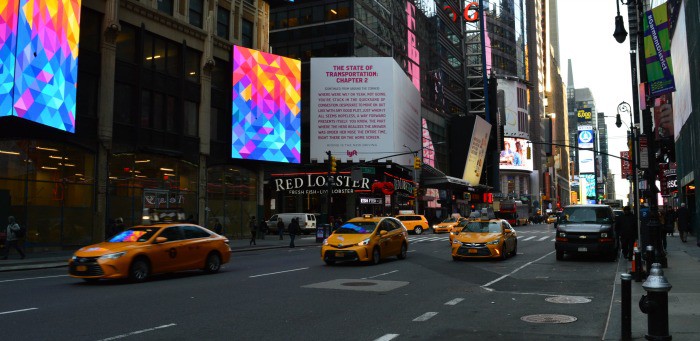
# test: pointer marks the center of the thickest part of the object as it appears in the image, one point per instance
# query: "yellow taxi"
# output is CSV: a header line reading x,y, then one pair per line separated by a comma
x,y
551,219
141,251
494,238
415,223
447,224
366,239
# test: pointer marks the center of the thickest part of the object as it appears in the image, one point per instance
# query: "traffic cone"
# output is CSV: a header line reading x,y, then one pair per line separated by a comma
x,y
634,258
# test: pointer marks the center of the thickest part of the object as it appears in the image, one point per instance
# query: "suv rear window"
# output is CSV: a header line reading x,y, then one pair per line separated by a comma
x,y
590,215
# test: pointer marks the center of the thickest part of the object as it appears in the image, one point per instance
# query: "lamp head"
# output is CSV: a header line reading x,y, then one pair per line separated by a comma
x,y
618,121
620,33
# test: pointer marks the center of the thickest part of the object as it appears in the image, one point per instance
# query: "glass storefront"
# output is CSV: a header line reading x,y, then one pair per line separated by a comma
x,y
48,187
231,198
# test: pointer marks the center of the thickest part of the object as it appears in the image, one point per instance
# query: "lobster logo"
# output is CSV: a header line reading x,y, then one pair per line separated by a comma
x,y
386,188
351,153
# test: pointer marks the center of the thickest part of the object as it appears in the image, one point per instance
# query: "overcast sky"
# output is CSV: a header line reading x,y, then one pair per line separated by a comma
x,y
599,63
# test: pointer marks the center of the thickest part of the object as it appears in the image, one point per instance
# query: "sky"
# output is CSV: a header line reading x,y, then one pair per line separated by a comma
x,y
599,63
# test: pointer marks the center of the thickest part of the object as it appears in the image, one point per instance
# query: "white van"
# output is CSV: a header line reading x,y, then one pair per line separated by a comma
x,y
307,222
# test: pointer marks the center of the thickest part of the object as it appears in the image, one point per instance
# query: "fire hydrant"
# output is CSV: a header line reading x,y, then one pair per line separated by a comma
x,y
655,304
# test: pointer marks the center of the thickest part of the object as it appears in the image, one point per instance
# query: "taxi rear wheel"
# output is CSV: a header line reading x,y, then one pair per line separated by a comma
x,y
418,230
213,263
402,253
376,256
139,270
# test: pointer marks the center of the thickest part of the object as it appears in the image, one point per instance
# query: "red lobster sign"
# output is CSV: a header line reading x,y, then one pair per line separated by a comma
x,y
472,6
387,188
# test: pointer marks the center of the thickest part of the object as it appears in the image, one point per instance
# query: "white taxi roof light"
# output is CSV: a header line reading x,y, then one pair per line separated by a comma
x,y
367,216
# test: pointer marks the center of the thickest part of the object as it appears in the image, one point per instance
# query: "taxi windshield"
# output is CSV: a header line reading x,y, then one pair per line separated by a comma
x,y
357,227
450,220
483,227
137,234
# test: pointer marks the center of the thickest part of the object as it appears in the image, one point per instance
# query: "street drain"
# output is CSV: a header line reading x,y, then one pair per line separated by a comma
x,y
358,284
548,318
567,299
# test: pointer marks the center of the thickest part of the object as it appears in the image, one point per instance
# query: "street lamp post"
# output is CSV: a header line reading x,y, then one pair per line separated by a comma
x,y
624,107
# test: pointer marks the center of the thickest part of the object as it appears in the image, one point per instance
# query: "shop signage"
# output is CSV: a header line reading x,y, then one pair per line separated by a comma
x,y
317,184
370,201
162,199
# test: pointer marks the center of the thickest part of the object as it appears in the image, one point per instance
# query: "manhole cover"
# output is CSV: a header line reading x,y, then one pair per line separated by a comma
x,y
567,299
548,318
358,284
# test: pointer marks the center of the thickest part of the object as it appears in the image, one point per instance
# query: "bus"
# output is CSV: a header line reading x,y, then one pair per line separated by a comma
x,y
514,211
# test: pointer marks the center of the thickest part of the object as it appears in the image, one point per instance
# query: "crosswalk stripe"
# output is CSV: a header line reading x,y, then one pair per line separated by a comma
x,y
528,238
543,238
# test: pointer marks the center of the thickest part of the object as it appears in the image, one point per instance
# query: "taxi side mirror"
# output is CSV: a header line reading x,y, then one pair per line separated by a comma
x,y
383,232
508,231
161,240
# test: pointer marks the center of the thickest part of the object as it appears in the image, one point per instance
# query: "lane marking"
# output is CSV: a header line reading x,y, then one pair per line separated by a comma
x,y
386,273
26,279
16,311
276,273
387,337
454,301
553,240
514,271
425,317
543,238
528,238
138,332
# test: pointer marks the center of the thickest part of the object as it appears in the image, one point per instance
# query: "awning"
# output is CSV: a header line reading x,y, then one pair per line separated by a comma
x,y
434,178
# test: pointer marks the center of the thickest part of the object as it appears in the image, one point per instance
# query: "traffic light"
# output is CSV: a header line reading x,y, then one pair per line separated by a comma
x,y
416,163
415,191
529,153
333,164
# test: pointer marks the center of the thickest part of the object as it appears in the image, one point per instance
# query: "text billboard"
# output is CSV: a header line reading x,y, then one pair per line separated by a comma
x,y
266,110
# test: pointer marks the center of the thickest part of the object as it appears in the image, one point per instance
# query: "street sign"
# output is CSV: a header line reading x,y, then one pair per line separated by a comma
x,y
367,170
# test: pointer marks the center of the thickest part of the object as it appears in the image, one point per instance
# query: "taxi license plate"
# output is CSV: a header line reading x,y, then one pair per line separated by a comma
x,y
339,254
81,268
473,251
582,249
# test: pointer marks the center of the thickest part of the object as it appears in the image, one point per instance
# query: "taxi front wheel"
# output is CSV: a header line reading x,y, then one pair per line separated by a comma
x,y
139,271
376,256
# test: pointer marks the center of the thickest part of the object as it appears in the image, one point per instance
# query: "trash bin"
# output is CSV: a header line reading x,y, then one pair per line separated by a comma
x,y
322,232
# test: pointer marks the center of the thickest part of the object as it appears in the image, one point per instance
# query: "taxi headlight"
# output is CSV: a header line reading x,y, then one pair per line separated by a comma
x,y
494,242
325,242
457,242
364,242
113,255
435,226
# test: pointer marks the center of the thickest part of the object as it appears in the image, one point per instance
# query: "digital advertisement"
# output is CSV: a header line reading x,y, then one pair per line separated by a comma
x,y
266,110
514,155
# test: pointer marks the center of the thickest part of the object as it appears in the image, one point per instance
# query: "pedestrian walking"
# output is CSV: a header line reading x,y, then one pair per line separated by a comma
x,y
262,228
629,232
280,227
14,237
669,220
294,229
682,219
253,226
218,227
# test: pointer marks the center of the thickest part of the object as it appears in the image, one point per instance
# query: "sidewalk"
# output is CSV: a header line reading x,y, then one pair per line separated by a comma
x,y
683,273
57,259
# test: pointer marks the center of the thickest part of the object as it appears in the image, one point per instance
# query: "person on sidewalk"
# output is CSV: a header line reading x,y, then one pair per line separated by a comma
x,y
253,226
218,228
280,227
670,219
262,228
629,232
294,229
12,239
682,219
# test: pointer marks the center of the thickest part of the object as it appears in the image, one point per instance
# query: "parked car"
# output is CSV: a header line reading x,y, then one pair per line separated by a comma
x,y
367,239
307,222
141,251
586,229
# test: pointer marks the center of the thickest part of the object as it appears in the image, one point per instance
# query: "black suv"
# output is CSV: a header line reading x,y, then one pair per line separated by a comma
x,y
586,229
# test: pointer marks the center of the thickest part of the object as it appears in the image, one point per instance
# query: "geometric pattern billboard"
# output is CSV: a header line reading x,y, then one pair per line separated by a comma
x,y
266,114
39,55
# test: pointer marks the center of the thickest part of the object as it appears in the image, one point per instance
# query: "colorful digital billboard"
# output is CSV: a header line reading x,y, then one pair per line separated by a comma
x,y
39,55
514,155
266,115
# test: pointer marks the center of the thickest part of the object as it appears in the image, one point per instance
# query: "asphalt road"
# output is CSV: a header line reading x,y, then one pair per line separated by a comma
x,y
290,294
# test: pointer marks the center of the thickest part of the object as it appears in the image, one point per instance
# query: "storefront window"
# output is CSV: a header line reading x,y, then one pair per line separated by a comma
x,y
231,198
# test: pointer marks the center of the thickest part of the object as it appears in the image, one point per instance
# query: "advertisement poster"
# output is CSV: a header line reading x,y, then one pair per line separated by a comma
x,y
584,116
363,109
477,151
657,51
514,155
625,164
663,116
586,139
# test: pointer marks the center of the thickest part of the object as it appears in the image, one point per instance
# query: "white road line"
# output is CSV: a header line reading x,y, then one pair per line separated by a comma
x,y
387,337
26,279
543,238
521,237
138,332
554,240
528,238
386,273
454,301
425,317
278,272
514,271
16,311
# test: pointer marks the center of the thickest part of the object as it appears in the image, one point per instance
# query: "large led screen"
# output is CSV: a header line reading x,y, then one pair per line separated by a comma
x,y
39,54
586,158
266,122
514,155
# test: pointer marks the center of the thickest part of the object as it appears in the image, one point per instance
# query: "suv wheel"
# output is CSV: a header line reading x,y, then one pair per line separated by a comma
x,y
560,255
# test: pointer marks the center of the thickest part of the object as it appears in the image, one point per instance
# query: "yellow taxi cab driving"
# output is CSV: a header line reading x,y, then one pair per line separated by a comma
x,y
140,251
494,238
447,224
484,214
415,223
367,239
